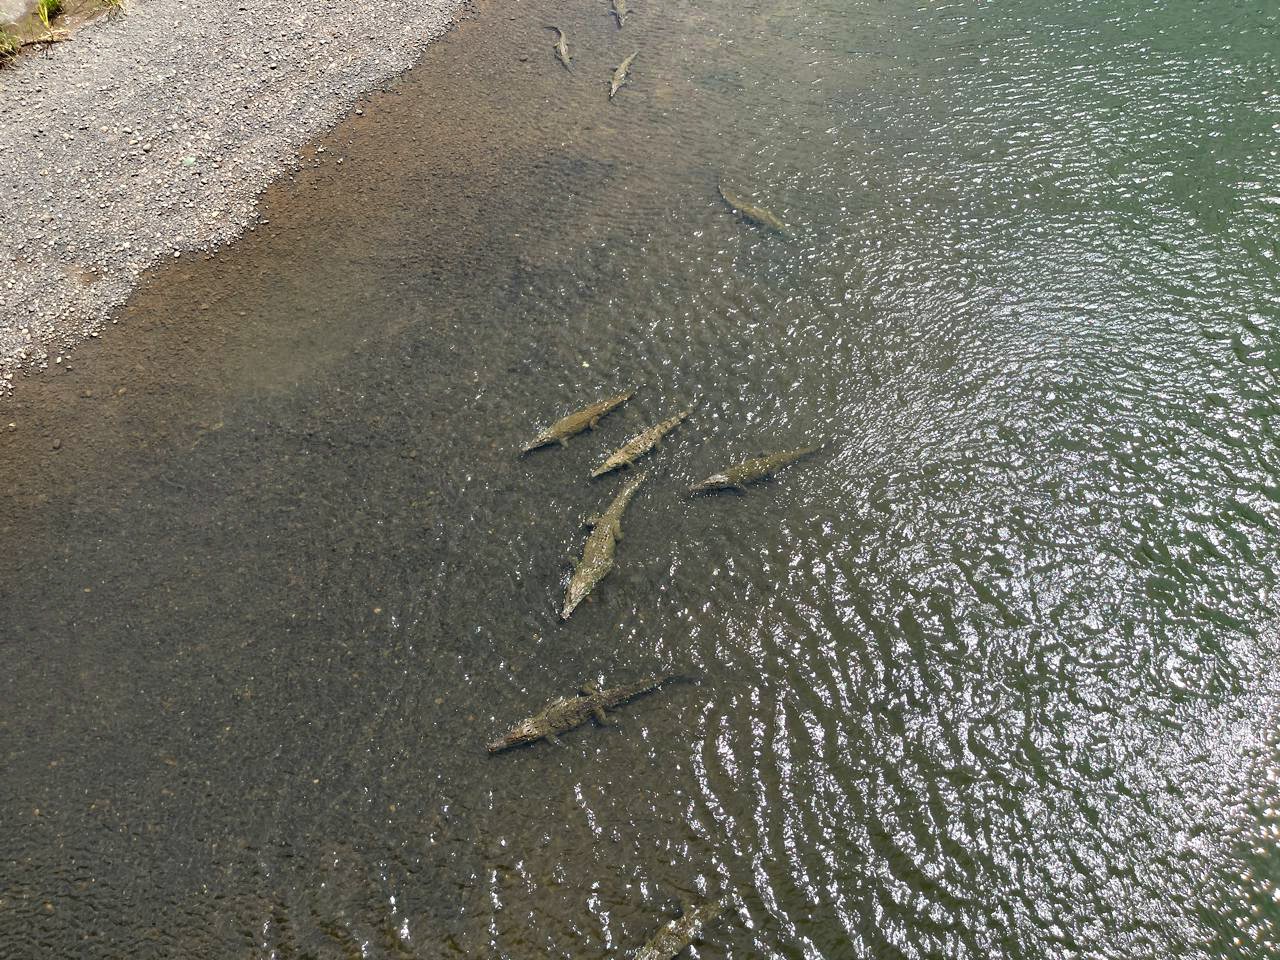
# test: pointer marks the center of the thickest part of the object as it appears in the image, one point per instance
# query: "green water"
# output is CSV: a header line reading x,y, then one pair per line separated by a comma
x,y
993,677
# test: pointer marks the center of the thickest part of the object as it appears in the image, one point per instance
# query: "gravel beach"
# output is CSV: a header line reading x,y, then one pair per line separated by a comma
x,y
152,133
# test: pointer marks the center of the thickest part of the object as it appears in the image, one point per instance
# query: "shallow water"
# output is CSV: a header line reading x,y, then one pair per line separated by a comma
x,y
994,676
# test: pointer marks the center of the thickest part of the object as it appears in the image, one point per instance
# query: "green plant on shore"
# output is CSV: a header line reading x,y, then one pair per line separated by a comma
x,y
9,45
46,10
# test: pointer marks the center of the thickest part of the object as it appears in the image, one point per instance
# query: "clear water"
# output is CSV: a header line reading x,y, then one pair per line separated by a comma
x,y
994,677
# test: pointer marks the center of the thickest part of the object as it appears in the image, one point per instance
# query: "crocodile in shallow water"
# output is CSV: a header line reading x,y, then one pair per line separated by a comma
x,y
562,48
584,419
620,75
750,471
597,554
635,448
566,713
749,211
680,933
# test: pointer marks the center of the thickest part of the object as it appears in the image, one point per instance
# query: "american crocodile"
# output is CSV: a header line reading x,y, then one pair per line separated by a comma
x,y
749,471
639,445
566,713
562,48
597,554
620,12
680,933
749,211
620,75
584,419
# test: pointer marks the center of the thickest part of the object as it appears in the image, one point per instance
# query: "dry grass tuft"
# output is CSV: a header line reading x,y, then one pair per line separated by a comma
x,y
9,46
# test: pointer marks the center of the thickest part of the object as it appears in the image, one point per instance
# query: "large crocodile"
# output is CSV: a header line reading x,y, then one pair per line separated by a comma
x,y
620,12
566,713
620,75
597,554
584,419
749,211
635,448
749,471
680,933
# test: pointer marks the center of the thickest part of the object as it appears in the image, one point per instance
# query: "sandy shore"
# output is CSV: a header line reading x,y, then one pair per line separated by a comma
x,y
151,134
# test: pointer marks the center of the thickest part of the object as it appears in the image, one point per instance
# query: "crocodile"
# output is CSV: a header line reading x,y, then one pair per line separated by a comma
x,y
639,445
562,49
620,75
566,713
620,11
597,554
584,419
749,211
739,475
681,932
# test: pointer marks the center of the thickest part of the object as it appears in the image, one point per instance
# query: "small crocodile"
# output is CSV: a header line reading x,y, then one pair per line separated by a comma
x,y
620,11
749,471
682,932
597,554
620,75
749,211
562,48
566,713
639,445
584,419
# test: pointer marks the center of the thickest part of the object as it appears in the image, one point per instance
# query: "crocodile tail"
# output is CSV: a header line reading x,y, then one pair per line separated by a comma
x,y
655,682
641,687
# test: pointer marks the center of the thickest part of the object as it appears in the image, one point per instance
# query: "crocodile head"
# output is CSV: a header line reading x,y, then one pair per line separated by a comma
x,y
578,590
713,482
524,732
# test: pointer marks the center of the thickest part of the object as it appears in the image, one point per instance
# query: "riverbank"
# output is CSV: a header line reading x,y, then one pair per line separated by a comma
x,y
153,133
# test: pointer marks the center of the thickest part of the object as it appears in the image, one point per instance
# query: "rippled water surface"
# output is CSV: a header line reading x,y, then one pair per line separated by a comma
x,y
993,676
